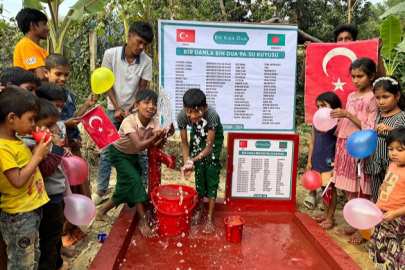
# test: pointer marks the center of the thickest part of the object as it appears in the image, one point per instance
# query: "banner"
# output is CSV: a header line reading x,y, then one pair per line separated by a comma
x,y
99,127
262,168
327,70
247,71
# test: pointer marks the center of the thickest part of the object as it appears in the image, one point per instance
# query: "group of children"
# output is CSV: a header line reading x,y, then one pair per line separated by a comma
x,y
140,130
32,177
378,104
33,181
32,184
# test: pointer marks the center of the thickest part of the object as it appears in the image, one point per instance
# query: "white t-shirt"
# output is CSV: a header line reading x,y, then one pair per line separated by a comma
x,y
127,75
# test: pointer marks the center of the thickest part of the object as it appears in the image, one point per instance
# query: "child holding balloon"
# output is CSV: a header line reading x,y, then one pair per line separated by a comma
x,y
21,182
387,243
27,80
57,70
391,102
51,227
321,157
360,114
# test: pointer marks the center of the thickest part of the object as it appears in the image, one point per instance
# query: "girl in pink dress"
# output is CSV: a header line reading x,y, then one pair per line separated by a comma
x,y
360,114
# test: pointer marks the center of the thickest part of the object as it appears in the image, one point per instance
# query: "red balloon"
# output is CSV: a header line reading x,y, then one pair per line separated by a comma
x,y
39,134
76,170
311,180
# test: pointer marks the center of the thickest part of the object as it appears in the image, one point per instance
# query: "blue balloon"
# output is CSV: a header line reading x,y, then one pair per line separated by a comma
x,y
362,143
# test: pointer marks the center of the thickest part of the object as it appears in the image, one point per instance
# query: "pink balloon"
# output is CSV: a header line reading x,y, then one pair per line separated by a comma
x,y
76,170
362,214
311,180
322,120
79,209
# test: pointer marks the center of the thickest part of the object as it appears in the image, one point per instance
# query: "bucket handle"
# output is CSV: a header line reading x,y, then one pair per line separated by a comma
x,y
170,214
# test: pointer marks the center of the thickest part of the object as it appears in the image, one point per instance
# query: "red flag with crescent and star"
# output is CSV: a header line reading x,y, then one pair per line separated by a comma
x,y
327,70
99,127
185,35
327,193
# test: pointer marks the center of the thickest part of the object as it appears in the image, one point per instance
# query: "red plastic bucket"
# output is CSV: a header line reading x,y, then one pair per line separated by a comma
x,y
173,215
234,228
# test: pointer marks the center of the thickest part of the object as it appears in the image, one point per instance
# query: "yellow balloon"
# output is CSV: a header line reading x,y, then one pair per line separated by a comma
x,y
102,80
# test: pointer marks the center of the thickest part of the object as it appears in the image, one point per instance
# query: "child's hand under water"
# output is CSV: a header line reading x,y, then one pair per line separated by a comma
x,y
186,174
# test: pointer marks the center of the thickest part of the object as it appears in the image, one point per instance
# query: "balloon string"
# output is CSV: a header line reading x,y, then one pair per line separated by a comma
x,y
360,194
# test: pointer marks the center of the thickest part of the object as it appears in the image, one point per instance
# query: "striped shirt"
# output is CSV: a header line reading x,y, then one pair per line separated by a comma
x,y
379,160
209,121
127,75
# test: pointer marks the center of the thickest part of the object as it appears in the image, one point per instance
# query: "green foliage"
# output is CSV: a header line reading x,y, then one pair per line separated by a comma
x,y
78,41
304,131
299,98
391,35
58,30
315,17
399,8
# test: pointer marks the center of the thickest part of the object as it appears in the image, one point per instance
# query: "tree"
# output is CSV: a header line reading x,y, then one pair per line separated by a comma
x,y
58,29
315,17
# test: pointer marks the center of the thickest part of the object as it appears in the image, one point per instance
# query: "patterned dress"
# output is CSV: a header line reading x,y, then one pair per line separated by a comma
x,y
379,161
387,243
365,109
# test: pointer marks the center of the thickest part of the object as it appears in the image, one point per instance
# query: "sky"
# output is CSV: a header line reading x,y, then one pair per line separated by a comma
x,y
11,7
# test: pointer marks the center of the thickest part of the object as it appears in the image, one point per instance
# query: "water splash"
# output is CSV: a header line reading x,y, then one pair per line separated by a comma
x,y
181,196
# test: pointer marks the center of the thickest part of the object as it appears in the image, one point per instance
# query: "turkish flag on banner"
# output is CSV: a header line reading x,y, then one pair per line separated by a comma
x,y
327,70
99,127
327,193
185,35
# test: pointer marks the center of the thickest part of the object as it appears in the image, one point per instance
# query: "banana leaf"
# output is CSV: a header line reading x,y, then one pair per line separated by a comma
x,y
35,4
395,9
390,33
90,6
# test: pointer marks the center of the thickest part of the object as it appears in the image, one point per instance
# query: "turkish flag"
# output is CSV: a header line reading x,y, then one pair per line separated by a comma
x,y
327,70
327,193
99,127
186,35
242,144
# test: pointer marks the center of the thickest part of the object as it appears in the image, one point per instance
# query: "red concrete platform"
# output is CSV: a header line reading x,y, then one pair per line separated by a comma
x,y
275,236
271,240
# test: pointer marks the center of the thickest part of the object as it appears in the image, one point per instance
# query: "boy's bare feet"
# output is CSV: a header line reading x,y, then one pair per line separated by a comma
x,y
103,217
145,229
199,215
209,226
64,251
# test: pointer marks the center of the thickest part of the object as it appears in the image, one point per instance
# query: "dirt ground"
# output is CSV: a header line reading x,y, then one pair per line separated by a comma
x,y
90,248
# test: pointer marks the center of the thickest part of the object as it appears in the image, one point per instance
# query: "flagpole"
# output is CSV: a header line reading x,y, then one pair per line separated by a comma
x,y
349,11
